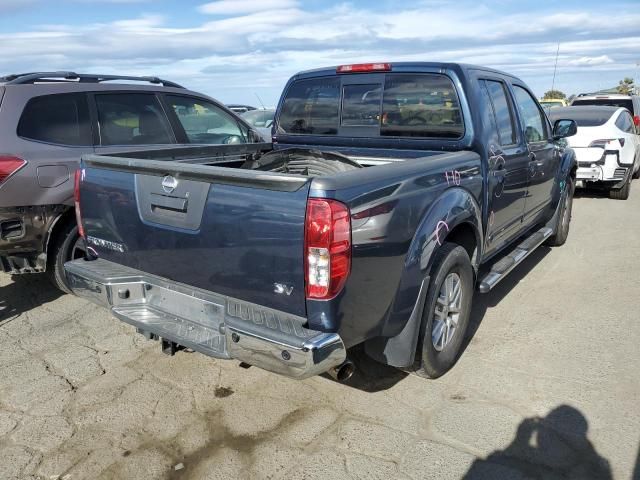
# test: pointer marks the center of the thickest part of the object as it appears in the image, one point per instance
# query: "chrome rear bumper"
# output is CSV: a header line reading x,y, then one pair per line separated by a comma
x,y
216,325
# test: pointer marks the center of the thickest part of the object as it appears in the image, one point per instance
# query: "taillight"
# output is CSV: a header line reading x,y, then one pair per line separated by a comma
x,y
76,200
636,120
9,165
364,67
327,248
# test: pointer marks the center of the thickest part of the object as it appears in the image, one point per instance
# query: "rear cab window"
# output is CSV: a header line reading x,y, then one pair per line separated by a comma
x,y
61,119
421,105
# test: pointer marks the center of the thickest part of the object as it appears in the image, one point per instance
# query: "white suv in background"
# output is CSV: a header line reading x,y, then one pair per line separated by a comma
x,y
607,147
630,102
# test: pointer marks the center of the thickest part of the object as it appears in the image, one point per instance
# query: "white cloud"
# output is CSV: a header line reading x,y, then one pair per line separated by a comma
x,y
235,7
254,46
588,61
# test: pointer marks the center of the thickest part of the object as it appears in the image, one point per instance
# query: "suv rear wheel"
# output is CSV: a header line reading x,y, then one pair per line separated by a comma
x,y
67,245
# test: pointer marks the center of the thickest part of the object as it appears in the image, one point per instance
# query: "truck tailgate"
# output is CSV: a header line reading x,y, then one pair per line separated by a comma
x,y
233,232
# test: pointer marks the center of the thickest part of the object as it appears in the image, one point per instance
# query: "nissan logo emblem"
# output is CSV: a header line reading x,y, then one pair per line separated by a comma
x,y
169,184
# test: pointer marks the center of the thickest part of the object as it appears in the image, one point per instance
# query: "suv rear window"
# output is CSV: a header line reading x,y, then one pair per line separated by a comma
x,y
409,105
610,102
62,119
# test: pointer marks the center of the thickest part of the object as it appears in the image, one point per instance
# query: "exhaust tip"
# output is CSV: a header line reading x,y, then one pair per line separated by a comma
x,y
343,372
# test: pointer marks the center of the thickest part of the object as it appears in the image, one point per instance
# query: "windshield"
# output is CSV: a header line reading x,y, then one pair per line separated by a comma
x,y
259,118
551,103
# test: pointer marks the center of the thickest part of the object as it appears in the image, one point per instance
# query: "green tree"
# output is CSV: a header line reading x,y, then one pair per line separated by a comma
x,y
625,86
551,94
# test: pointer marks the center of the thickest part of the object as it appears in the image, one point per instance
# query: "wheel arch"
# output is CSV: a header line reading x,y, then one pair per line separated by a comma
x,y
455,217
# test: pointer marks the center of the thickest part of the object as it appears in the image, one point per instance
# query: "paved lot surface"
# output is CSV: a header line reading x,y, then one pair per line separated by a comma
x,y
549,387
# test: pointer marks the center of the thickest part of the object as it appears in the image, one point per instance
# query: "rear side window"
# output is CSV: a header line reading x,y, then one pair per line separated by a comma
x,y
420,106
610,102
61,119
502,110
625,123
205,123
312,107
131,119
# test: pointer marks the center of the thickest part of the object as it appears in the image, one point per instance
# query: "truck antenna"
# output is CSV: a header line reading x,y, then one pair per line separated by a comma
x,y
260,100
553,82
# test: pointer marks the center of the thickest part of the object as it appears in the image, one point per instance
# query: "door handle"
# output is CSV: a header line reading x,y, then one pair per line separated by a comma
x,y
500,172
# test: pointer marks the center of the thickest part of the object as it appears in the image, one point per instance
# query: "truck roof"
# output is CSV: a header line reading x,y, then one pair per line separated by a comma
x,y
406,67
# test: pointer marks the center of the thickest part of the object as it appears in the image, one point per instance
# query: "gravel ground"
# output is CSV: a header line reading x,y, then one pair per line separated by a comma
x,y
548,387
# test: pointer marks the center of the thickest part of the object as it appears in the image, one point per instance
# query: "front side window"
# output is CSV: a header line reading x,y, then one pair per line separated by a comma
x,y
132,119
204,122
312,107
502,110
420,106
532,117
361,105
61,119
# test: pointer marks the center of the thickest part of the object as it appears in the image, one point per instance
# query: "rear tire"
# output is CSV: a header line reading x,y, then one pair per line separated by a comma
x,y
621,193
564,217
446,312
65,246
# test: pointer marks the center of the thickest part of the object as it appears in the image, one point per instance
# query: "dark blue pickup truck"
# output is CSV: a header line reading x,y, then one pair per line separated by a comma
x,y
389,194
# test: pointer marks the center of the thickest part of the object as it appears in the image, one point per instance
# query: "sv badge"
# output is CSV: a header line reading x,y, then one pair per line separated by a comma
x,y
281,288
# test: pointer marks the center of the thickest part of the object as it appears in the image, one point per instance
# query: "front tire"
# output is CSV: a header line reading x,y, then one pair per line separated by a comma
x,y
564,217
446,312
66,245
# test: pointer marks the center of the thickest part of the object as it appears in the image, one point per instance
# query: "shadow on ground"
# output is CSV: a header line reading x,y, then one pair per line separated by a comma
x,y
484,301
552,447
24,293
600,193
371,376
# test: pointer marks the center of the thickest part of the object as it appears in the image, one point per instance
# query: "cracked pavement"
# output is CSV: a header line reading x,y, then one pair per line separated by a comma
x,y
548,387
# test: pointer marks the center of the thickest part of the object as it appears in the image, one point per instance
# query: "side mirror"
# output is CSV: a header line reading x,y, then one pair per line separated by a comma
x,y
255,137
564,128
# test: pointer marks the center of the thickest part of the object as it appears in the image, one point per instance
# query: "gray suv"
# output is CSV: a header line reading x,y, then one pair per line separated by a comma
x,y
48,120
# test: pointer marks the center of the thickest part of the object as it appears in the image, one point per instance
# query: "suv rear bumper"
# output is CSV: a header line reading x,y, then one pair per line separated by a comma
x,y
216,325
24,232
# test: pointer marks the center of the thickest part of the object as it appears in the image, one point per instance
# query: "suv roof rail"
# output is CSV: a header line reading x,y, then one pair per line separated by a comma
x,y
33,77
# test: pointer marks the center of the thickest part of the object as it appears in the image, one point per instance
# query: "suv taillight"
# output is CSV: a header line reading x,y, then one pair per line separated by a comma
x,y
9,165
636,120
76,200
327,248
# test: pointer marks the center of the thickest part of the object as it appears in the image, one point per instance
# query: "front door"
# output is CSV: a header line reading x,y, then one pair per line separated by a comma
x,y
544,155
508,165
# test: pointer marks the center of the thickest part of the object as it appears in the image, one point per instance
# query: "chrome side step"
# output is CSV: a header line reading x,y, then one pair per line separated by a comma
x,y
503,267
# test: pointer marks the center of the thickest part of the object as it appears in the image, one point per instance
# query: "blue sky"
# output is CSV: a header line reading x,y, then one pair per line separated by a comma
x,y
234,50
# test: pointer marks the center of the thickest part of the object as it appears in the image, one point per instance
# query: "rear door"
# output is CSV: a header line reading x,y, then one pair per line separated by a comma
x,y
544,154
129,120
508,164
